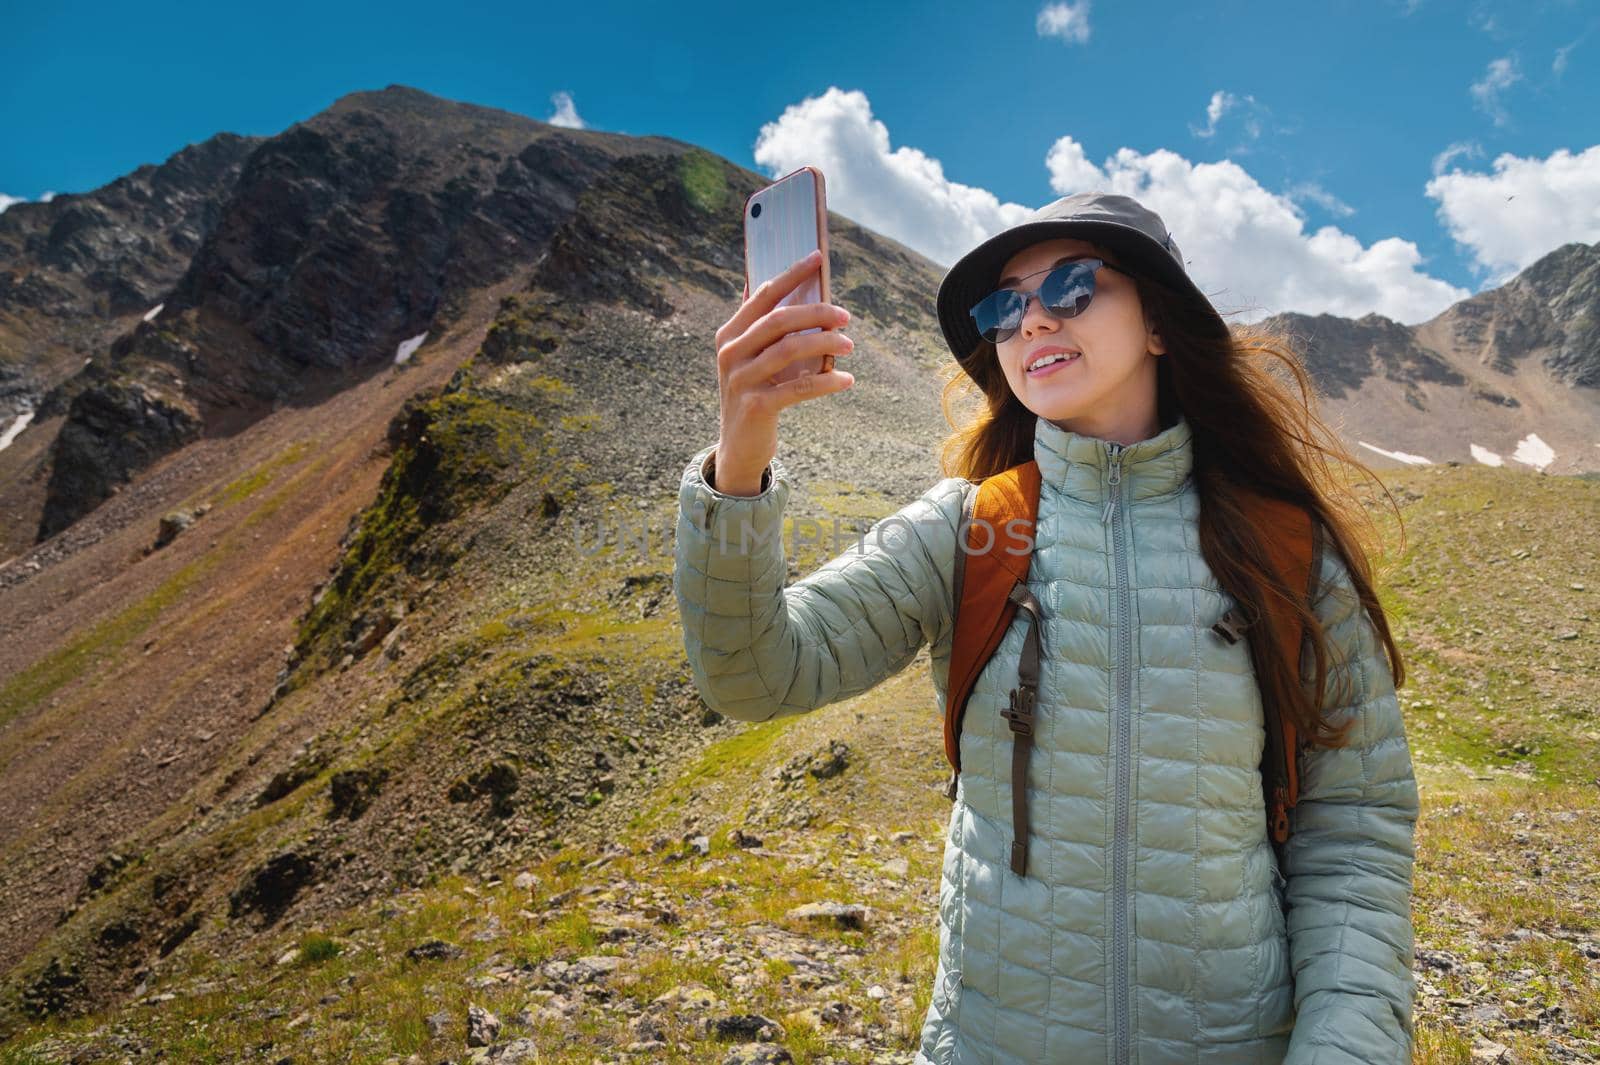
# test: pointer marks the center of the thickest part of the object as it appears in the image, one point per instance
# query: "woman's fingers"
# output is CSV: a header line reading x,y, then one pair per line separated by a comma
x,y
767,296
810,386
775,359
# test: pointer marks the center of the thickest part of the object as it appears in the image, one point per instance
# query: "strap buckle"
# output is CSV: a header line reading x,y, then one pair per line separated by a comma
x,y
1230,626
1020,713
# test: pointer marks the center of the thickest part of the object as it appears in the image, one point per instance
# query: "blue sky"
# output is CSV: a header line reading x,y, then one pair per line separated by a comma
x,y
1342,157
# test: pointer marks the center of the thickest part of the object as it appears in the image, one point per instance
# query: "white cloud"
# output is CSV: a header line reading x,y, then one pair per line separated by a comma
x,y
1069,21
1523,210
1500,76
1221,103
899,192
1248,248
566,112
1468,148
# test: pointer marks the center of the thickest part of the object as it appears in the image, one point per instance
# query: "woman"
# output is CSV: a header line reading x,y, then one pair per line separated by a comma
x,y
1153,923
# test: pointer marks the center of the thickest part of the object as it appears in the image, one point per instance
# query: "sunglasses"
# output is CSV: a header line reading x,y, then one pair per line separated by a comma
x,y
1065,292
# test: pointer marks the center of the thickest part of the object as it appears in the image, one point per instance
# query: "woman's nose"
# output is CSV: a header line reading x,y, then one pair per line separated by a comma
x,y
1034,314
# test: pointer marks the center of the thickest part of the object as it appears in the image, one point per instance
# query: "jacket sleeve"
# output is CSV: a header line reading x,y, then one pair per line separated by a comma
x,y
759,650
1349,857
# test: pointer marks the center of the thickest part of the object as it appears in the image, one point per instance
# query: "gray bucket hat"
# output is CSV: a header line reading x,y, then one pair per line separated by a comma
x,y
1120,224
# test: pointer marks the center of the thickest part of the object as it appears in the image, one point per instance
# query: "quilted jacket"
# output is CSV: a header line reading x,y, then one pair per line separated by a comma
x,y
1154,924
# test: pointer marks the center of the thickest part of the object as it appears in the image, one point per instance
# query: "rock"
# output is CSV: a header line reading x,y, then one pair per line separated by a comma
x,y
482,1026
852,915
839,1014
744,839
517,1052
745,1028
1486,1050
437,1023
700,845
525,882
351,791
647,1029
172,524
434,950
898,868
757,1054
682,997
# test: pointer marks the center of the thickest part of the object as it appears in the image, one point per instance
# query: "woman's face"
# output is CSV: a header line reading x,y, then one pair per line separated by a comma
x,y
1107,387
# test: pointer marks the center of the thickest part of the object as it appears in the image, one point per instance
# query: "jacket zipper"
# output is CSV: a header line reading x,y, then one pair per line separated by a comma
x,y
1122,714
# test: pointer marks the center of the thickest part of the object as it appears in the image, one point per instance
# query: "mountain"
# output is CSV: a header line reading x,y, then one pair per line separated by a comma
x,y
1475,382
349,568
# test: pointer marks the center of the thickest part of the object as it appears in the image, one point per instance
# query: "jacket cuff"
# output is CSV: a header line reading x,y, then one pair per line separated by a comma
x,y
730,525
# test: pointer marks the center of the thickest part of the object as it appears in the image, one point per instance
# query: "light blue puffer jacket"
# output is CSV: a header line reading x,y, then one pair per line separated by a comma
x,y
1151,926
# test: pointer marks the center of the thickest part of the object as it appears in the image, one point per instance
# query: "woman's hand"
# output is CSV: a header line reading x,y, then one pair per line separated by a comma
x,y
753,349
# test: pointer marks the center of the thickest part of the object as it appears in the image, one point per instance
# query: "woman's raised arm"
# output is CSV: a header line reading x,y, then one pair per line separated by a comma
x,y
760,650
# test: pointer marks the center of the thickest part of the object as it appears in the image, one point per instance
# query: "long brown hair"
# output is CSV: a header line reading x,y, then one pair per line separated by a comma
x,y
1251,408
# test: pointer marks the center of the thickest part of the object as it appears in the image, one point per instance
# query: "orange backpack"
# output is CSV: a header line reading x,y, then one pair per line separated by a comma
x,y
991,582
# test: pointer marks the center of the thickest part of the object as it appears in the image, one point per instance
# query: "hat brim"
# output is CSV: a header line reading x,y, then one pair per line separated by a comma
x,y
974,275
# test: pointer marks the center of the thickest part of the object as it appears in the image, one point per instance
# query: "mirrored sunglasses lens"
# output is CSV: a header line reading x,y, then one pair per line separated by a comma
x,y
998,315
1067,291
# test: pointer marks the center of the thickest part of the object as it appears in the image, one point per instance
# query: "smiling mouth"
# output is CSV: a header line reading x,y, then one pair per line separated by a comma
x,y
1053,358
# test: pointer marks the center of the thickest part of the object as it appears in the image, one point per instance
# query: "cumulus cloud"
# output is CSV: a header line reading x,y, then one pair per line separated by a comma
x,y
1522,210
1501,74
1247,247
1068,21
899,192
566,112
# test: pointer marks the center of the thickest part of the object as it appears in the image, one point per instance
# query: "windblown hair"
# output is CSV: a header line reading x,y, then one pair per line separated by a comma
x,y
1251,407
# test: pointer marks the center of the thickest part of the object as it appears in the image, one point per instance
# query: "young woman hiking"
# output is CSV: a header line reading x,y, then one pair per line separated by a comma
x,y
1153,922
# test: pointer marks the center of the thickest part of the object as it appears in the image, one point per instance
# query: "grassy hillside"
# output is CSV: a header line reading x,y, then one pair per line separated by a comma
x,y
664,942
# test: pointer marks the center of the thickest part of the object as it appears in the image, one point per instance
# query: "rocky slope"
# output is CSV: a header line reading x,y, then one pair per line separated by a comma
x,y
328,626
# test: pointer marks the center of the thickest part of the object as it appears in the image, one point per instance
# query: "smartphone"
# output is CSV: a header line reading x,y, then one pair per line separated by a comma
x,y
783,222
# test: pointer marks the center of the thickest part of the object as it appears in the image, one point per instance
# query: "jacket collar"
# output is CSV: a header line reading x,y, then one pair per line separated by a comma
x,y
1080,466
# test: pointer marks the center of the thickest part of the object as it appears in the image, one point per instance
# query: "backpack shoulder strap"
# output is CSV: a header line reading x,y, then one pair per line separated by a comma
x,y
1293,549
997,533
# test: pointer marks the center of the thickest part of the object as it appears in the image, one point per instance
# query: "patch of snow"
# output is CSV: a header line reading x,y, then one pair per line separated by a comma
x,y
153,311
407,347
1531,451
1487,457
1398,456
19,423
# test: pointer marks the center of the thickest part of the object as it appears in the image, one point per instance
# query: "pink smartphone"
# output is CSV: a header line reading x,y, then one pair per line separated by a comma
x,y
782,223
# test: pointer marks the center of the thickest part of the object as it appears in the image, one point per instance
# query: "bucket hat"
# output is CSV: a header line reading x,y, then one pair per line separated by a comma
x,y
1122,225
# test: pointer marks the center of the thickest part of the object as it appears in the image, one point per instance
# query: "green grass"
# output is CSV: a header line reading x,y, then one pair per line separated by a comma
x,y
1503,718
101,643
